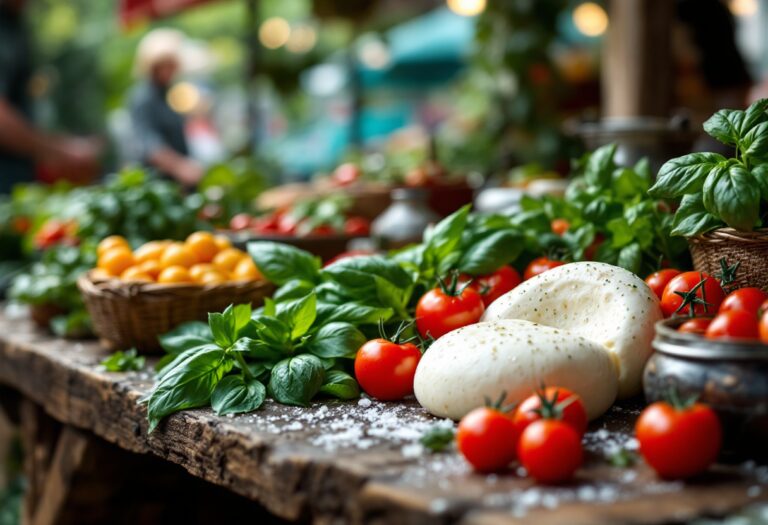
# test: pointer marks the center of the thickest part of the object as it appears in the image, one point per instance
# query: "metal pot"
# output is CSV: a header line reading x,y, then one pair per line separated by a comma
x,y
729,376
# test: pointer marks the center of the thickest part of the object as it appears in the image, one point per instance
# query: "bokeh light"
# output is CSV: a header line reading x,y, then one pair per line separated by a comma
x,y
743,7
590,19
374,54
303,38
184,97
274,32
467,7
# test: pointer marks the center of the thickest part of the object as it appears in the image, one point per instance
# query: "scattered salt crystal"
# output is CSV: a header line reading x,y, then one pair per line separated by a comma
x,y
632,444
586,493
521,472
412,450
364,402
549,501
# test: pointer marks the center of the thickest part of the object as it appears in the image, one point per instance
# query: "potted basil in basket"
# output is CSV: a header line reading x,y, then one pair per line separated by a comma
x,y
724,208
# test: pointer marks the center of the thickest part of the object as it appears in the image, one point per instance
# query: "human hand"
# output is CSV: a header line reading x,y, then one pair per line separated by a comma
x,y
189,172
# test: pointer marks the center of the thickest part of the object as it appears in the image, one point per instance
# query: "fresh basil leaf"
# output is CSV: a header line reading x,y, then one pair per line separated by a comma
x,y
760,173
491,252
188,385
627,183
124,361
446,234
295,289
600,166
726,126
222,328
341,385
754,145
732,194
269,309
388,294
336,340
281,263
165,366
185,336
684,175
692,218
358,272
298,314
643,169
755,114
257,349
631,258
621,232
352,312
296,380
236,395
270,329
241,315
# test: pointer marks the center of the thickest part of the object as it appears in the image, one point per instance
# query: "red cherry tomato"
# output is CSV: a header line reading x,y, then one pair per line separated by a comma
x,y
550,450
346,174
487,438
357,226
496,284
710,291
240,222
385,369
559,403
763,327
678,442
51,233
657,281
747,299
697,325
733,324
439,312
560,226
540,265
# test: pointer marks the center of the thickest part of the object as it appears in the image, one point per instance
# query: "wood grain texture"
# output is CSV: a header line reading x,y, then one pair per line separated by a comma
x,y
351,462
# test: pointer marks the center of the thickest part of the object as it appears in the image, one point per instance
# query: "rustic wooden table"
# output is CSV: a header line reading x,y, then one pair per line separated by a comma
x,y
356,462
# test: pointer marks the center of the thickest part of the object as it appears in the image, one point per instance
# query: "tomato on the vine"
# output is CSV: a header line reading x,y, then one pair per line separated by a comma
x,y
448,307
550,450
697,325
734,324
746,299
385,369
346,174
487,438
692,288
539,266
678,440
657,281
494,285
552,403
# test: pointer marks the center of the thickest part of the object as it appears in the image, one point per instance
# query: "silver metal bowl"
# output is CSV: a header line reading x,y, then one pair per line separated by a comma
x,y
729,376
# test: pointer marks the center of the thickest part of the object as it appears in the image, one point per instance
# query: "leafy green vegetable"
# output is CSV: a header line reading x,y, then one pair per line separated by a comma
x,y
237,394
437,438
296,380
716,191
124,361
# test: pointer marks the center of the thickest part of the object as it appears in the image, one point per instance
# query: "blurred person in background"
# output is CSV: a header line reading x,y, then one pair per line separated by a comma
x,y
22,146
158,129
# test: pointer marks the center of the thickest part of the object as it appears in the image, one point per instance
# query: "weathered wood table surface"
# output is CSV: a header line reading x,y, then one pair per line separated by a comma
x,y
356,462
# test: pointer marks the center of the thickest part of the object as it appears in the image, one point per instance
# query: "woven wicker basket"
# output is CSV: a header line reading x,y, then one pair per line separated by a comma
x,y
126,315
751,248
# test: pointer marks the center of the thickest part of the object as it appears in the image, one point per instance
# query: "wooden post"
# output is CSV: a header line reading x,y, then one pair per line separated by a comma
x,y
637,72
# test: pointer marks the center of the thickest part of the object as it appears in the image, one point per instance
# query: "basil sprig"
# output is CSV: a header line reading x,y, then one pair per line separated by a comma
x,y
717,191
287,351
